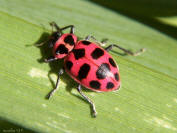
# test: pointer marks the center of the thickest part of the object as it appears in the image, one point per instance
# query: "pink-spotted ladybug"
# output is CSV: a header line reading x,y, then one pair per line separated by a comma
x,y
86,62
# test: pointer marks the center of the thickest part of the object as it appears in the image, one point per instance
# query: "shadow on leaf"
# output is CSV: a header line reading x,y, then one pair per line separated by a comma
x,y
146,12
10,127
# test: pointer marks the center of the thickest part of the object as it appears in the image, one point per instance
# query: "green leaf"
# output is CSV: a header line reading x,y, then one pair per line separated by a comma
x,y
147,100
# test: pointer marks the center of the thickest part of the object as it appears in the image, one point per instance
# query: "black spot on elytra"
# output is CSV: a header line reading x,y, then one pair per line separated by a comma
x,y
110,85
111,61
116,76
61,49
86,42
95,84
69,65
69,39
79,53
97,53
102,71
83,72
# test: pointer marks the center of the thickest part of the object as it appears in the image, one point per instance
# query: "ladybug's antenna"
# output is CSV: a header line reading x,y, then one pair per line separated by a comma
x,y
54,25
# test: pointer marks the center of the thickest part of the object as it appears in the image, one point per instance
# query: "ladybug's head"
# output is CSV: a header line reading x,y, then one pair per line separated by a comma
x,y
53,38
64,44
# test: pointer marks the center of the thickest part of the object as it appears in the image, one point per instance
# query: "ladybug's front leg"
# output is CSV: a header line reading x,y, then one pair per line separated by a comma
x,y
125,50
69,26
94,113
61,71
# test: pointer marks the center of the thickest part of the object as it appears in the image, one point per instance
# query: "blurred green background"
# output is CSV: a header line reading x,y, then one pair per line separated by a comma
x,y
147,100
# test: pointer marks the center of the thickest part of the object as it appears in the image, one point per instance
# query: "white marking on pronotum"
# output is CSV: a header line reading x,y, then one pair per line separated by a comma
x,y
35,72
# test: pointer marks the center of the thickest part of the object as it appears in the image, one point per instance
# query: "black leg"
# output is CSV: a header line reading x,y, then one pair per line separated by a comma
x,y
94,113
69,26
90,37
125,50
102,43
50,59
61,71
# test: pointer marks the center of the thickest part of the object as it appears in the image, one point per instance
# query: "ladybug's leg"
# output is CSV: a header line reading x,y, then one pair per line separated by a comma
x,y
125,50
50,59
69,26
61,71
102,43
90,37
94,113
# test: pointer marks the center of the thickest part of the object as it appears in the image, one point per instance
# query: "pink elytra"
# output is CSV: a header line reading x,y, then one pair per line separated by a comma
x,y
92,67
86,62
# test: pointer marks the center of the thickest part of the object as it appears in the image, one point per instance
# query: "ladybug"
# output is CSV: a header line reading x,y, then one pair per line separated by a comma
x,y
90,65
